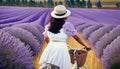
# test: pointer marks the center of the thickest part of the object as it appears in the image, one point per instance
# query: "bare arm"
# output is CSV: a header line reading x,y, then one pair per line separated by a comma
x,y
79,40
46,39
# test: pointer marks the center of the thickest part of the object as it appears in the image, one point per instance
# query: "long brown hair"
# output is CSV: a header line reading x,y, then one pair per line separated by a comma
x,y
56,24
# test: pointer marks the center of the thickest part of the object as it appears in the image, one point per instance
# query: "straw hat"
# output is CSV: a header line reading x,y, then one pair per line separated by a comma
x,y
60,11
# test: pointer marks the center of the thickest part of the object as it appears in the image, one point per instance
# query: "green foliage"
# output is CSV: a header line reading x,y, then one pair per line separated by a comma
x,y
98,4
89,4
17,2
7,2
83,3
45,3
12,2
1,1
56,3
41,4
32,3
118,4
60,3
77,3
72,3
50,3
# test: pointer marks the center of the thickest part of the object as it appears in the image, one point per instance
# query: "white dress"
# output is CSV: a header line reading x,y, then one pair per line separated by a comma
x,y
56,51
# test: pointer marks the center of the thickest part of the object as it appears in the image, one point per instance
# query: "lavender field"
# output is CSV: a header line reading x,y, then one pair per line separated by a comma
x,y
21,28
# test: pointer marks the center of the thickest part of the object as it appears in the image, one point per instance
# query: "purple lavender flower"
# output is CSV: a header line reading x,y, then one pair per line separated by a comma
x,y
5,25
38,26
13,53
78,24
97,34
106,40
25,36
80,28
87,31
111,54
31,28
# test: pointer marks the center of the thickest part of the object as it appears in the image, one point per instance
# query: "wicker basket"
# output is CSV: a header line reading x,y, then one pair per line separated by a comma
x,y
80,56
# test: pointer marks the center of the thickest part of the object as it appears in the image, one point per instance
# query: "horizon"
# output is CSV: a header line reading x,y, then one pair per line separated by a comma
x,y
105,3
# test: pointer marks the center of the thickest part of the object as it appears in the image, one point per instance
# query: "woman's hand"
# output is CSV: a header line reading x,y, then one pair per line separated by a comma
x,y
80,41
46,39
87,48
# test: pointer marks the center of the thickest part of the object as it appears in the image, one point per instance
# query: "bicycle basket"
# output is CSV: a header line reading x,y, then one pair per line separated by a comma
x,y
80,56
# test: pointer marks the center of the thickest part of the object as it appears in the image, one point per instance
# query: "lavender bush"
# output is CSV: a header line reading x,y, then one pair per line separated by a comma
x,y
16,17
97,34
42,19
38,26
87,31
111,55
25,37
4,25
29,48
106,40
80,28
10,19
29,27
13,53
78,24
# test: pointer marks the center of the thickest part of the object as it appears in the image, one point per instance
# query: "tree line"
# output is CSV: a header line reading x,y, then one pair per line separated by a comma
x,y
51,3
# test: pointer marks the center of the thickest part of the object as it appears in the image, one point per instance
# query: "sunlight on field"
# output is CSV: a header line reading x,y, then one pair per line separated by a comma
x,y
92,61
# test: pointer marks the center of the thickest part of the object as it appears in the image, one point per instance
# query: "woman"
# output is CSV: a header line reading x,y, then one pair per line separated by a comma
x,y
56,33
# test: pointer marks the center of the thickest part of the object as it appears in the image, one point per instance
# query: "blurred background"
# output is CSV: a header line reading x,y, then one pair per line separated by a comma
x,y
68,3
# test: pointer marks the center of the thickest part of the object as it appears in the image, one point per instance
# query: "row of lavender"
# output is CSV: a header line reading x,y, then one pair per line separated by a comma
x,y
19,44
27,25
105,40
16,15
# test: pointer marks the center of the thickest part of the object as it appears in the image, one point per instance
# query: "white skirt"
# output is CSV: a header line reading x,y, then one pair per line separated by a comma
x,y
56,53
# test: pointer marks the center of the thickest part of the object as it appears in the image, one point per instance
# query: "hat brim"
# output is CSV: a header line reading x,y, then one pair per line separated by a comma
x,y
63,16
